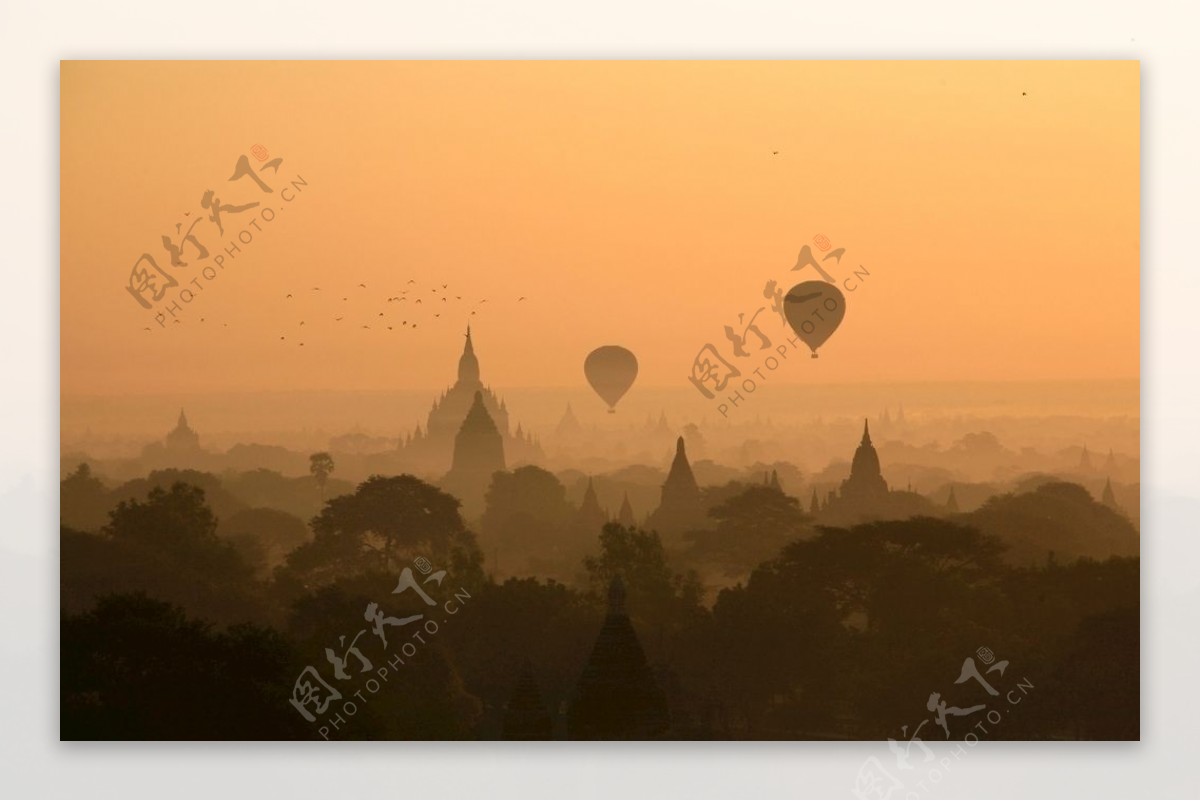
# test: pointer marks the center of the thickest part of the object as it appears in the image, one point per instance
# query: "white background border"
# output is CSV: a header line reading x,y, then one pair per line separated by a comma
x,y
33,38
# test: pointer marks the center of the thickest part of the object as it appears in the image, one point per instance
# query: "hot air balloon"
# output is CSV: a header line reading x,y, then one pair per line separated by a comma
x,y
814,310
610,370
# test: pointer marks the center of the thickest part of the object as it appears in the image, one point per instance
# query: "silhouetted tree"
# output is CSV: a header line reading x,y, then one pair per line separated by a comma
x,y
321,466
83,500
387,521
751,526
527,516
216,497
166,546
1056,516
135,668
264,537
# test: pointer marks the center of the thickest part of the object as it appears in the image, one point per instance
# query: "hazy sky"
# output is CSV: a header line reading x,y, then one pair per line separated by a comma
x,y
631,203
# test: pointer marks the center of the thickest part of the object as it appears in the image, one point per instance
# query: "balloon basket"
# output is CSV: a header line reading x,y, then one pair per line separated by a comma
x,y
814,355
612,411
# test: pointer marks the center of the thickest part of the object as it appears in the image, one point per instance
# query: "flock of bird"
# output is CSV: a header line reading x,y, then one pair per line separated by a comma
x,y
401,317
394,316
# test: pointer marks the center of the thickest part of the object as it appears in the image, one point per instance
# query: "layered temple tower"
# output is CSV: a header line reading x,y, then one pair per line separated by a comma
x,y
626,517
590,517
182,439
431,449
680,508
180,448
478,453
865,487
617,696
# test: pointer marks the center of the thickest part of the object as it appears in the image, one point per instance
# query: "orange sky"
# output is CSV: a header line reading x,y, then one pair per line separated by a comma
x,y
631,203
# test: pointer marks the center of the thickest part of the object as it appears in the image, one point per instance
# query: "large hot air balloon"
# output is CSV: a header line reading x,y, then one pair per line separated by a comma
x,y
814,309
610,370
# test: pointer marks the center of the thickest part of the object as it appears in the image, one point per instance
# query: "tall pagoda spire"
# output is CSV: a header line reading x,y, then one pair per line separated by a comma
x,y
468,364
591,517
625,516
1109,498
617,696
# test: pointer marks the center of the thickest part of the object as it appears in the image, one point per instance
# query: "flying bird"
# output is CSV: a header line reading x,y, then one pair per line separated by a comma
x,y
316,289
337,319
364,286
289,296
445,285
411,281
520,299
147,328
418,300
366,326
281,337
774,152
381,314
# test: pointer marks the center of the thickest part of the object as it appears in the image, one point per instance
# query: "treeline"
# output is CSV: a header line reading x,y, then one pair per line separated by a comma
x,y
171,630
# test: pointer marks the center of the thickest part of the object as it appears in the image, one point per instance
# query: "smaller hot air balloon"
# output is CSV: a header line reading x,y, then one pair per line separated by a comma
x,y
610,370
814,310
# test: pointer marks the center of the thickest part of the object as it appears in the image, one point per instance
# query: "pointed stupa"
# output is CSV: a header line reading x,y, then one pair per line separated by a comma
x,y
952,502
182,438
617,696
814,506
591,517
680,508
478,453
1085,459
569,425
1109,498
865,484
626,517
680,480
774,482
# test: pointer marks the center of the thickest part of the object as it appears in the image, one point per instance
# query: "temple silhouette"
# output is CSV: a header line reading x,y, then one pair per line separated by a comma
x,y
434,448
590,518
865,487
179,448
865,495
478,453
680,509
617,696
